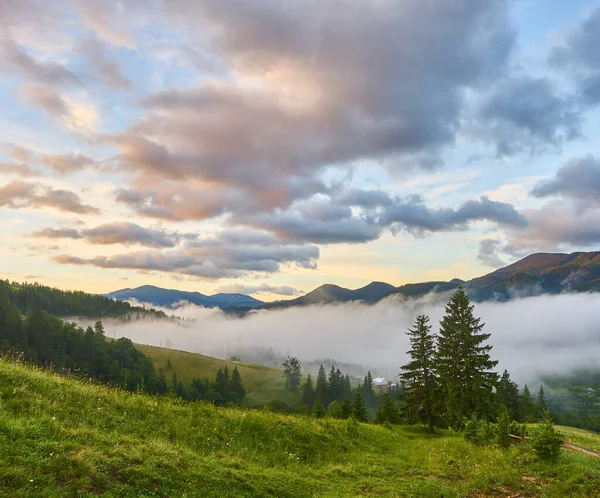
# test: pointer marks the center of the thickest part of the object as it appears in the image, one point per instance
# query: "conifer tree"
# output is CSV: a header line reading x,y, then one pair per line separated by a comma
x,y
541,404
507,395
321,387
359,410
318,411
463,362
419,377
292,372
387,411
237,387
368,392
527,405
346,408
308,393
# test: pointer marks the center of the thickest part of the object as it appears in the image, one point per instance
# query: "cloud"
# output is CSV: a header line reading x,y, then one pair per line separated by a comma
x,y
578,179
212,258
16,169
488,253
67,163
106,69
18,194
528,335
57,233
282,290
48,74
576,55
114,233
73,115
524,114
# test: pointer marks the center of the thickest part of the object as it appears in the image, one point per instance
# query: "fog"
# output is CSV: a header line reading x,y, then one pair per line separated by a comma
x,y
531,337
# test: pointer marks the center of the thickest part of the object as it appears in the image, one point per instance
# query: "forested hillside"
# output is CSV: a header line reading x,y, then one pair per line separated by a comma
x,y
26,297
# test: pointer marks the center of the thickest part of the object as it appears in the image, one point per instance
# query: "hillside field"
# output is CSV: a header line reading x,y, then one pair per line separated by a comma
x,y
189,365
63,437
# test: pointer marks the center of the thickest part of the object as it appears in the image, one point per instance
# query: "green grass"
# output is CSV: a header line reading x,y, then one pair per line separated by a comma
x,y
189,365
273,389
62,437
580,437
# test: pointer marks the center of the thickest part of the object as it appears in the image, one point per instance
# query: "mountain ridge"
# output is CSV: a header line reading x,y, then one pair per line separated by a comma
x,y
538,273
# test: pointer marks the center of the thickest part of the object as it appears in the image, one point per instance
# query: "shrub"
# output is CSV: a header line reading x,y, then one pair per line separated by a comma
x,y
479,432
503,428
546,441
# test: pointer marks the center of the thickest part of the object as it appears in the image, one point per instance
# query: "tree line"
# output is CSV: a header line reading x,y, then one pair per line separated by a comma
x,y
46,340
27,297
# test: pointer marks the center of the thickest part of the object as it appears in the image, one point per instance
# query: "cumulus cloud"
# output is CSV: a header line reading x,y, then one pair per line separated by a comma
x,y
577,56
282,290
57,233
20,194
229,254
578,179
67,163
526,114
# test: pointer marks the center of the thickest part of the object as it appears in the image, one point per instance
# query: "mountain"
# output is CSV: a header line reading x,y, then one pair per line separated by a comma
x,y
542,273
158,296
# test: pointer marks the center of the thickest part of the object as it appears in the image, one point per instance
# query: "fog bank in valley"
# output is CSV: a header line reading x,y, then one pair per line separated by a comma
x,y
532,336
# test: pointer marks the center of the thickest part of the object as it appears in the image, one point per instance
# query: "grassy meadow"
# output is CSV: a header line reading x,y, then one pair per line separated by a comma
x,y
63,437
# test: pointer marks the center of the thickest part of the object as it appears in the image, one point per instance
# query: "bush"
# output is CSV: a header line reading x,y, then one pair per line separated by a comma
x,y
546,441
479,432
503,429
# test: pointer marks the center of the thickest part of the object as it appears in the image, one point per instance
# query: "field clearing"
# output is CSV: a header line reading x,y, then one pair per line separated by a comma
x,y
60,437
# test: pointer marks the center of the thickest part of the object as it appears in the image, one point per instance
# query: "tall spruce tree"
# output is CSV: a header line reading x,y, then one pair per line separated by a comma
x,y
508,396
527,405
359,410
419,377
541,404
237,387
368,392
463,363
308,393
321,387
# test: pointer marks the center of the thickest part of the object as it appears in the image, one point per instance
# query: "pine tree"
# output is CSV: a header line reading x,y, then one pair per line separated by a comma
x,y
387,411
308,393
292,372
318,411
368,392
346,407
541,405
419,377
507,395
321,387
359,411
527,405
237,387
463,363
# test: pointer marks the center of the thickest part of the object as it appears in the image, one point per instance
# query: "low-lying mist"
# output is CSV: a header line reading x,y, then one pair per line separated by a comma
x,y
532,337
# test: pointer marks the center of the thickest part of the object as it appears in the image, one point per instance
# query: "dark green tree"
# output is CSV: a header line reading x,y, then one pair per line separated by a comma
x,y
292,371
368,391
527,405
321,387
508,396
318,411
541,404
463,362
237,391
308,393
359,410
419,377
387,411
346,407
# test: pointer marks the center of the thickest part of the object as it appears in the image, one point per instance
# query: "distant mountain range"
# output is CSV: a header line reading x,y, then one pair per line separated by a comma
x,y
543,273
158,296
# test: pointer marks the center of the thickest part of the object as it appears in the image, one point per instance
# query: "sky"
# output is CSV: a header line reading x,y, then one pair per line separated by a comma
x,y
270,147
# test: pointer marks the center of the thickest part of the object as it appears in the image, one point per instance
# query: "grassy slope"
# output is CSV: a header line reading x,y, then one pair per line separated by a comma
x,y
61,437
189,365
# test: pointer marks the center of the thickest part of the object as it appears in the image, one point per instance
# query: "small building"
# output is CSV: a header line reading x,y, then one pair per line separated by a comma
x,y
380,383
589,390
